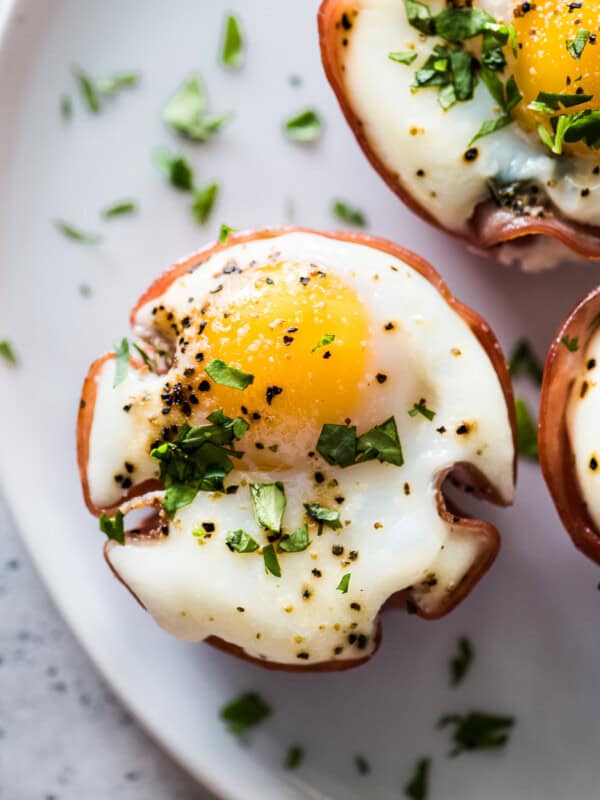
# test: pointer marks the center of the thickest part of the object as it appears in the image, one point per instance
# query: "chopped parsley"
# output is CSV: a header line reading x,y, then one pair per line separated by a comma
x,y
118,209
344,583
232,377
244,712
224,232
421,408
76,234
324,516
577,45
198,459
241,542
328,338
527,444
477,730
232,51
113,526
305,126
403,56
570,344
268,504
523,361
348,214
579,126
186,112
177,169
340,446
66,107
294,757
549,102
296,541
418,786
362,765
204,200
271,562
145,357
7,352
461,661
94,90
121,362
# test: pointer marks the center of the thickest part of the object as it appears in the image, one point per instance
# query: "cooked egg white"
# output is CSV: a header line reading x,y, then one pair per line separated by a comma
x,y
583,424
262,307
426,146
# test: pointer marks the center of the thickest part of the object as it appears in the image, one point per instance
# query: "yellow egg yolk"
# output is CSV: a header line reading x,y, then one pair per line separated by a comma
x,y
304,336
543,62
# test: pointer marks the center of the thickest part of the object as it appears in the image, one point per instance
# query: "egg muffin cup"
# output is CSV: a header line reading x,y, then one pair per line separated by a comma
x,y
360,520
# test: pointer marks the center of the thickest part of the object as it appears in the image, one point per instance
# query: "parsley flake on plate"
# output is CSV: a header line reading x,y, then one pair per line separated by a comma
x,y
204,200
268,504
232,50
418,786
527,444
76,234
119,209
186,112
305,126
294,757
224,232
244,712
461,661
93,90
403,56
233,378
66,107
362,765
113,526
7,352
477,730
176,167
346,213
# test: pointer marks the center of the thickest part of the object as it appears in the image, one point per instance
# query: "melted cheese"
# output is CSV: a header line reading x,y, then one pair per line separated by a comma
x,y
392,535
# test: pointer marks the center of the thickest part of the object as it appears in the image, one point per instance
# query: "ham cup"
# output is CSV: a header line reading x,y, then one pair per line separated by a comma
x,y
287,416
483,117
569,429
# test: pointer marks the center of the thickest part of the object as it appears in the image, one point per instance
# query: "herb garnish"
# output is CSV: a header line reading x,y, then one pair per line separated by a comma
x,y
305,126
524,361
268,504
92,89
344,583
177,169
224,232
577,45
339,445
362,765
7,351
346,213
271,562
186,112
66,107
241,542
121,362
418,786
570,344
324,516
232,51
294,757
113,526
198,459
328,338
403,56
145,358
421,408
296,541
580,126
118,209
232,377
549,102
204,200
526,430
461,661
477,730
76,234
244,712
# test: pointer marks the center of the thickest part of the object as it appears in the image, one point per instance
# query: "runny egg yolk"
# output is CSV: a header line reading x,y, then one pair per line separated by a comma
x,y
276,323
543,62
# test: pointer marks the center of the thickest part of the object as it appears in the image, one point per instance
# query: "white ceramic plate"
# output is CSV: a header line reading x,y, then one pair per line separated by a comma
x,y
535,620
